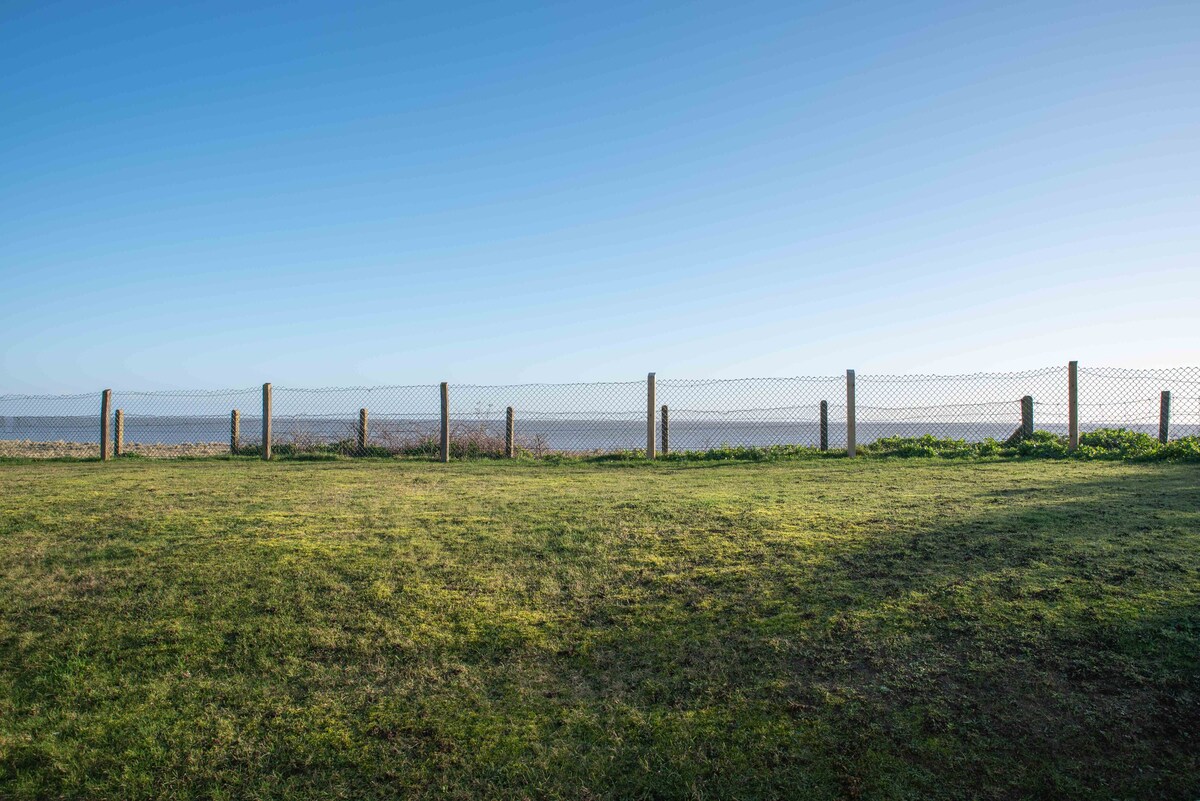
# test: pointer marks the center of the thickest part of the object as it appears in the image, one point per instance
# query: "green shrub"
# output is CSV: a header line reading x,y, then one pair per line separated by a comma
x,y
745,453
1107,443
1117,443
1185,449
1041,445
990,447
927,445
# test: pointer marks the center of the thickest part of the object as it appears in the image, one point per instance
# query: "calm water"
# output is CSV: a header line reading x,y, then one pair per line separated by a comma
x,y
553,434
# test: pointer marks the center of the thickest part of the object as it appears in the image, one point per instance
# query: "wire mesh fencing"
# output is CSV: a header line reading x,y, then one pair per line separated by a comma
x,y
50,426
549,418
388,420
596,418
752,412
1113,397
186,423
970,407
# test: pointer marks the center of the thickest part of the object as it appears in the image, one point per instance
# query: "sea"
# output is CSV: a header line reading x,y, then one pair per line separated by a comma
x,y
555,434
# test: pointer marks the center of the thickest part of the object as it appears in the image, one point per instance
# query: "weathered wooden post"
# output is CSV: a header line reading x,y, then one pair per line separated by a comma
x,y
235,431
1164,416
105,424
362,431
824,426
1027,416
119,433
1072,405
445,428
666,431
509,445
650,438
266,422
851,422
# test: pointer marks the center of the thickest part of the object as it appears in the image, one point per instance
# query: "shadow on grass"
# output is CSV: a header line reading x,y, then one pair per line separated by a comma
x,y
1026,644
1049,650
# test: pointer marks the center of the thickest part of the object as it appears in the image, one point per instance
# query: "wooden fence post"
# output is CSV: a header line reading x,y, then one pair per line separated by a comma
x,y
266,422
1164,416
851,421
235,431
1027,416
1072,405
650,409
666,431
824,426
362,430
119,433
105,424
445,429
509,444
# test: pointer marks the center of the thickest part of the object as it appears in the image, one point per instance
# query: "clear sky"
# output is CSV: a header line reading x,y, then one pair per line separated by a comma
x,y
220,194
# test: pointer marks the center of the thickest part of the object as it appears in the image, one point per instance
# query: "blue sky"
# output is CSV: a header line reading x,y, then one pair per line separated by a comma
x,y
217,195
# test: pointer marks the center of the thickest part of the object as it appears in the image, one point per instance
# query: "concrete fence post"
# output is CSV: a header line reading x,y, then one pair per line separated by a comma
x,y
666,431
235,431
824,425
362,430
444,453
1164,416
1072,405
266,422
851,421
509,426
1027,416
650,410
105,424
119,433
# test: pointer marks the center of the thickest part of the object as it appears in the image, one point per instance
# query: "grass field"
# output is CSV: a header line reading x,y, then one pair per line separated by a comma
x,y
817,629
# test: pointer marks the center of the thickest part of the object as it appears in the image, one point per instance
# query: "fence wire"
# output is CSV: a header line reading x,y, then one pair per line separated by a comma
x,y
752,412
186,423
590,418
401,420
550,418
970,407
50,426
1113,397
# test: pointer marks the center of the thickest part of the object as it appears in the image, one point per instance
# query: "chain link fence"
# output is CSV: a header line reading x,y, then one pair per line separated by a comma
x,y
400,420
550,418
752,412
1113,397
970,407
50,426
186,423
595,418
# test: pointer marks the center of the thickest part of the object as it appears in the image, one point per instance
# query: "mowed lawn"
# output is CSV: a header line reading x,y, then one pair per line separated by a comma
x,y
385,629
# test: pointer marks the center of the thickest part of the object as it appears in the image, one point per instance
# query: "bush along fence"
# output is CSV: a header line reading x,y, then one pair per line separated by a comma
x,y
652,418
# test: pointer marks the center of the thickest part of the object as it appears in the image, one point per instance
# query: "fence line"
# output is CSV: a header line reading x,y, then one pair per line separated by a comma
x,y
658,415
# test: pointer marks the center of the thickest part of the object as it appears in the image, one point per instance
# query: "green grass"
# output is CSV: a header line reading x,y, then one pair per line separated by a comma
x,y
824,628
